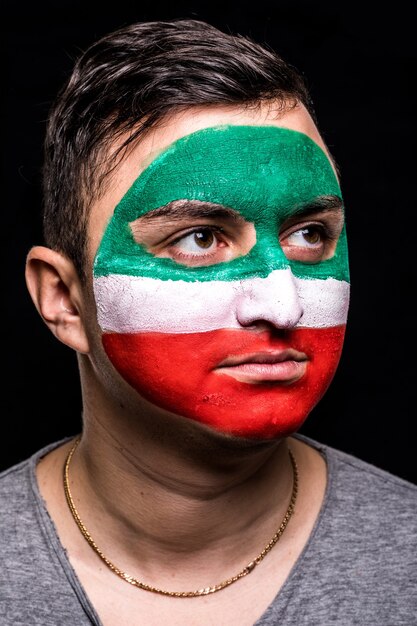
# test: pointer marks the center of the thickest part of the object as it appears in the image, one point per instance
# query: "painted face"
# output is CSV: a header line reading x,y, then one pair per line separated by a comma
x,y
222,281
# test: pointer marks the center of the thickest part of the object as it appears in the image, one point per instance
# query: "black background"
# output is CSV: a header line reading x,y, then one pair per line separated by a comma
x,y
361,69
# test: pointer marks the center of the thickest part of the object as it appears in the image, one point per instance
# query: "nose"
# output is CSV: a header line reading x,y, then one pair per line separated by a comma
x,y
273,299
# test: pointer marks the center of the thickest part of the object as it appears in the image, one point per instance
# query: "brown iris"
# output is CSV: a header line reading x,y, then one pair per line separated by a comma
x,y
204,238
311,235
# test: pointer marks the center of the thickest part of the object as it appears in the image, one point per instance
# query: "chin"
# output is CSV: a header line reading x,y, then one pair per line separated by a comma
x,y
179,376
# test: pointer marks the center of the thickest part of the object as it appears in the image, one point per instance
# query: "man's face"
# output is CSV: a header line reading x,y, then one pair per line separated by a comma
x,y
221,279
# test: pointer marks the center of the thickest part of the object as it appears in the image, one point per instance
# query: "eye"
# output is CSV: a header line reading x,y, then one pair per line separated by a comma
x,y
197,242
309,244
204,245
194,234
309,236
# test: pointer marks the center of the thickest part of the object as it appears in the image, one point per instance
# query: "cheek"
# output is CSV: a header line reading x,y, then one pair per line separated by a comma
x,y
175,372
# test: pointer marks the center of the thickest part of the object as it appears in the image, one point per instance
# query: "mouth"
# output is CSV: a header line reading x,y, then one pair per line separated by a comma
x,y
282,366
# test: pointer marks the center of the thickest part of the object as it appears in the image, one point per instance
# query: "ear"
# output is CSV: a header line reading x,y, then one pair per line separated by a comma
x,y
55,288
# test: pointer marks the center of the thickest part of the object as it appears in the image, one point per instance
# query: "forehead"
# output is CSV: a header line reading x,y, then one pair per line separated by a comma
x,y
179,126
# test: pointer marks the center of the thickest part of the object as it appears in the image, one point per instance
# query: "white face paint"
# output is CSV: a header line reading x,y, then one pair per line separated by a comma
x,y
250,335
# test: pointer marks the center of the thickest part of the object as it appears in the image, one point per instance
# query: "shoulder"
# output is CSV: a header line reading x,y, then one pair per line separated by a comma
x,y
15,489
18,483
37,585
364,545
375,488
359,565
353,479
20,502
368,509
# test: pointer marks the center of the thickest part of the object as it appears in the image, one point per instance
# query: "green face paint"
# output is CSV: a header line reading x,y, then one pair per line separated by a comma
x,y
171,329
266,173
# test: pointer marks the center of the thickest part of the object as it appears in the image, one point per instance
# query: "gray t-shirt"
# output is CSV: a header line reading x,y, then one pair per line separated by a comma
x,y
358,567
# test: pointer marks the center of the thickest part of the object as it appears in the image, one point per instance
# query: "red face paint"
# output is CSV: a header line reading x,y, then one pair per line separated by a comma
x,y
177,372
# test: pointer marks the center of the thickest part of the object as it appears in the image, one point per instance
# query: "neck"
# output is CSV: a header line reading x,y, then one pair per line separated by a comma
x,y
152,497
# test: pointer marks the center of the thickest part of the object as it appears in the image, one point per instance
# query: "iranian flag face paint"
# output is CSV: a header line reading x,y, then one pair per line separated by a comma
x,y
247,346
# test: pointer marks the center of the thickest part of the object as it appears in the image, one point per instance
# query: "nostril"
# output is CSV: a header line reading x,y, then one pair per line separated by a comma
x,y
273,300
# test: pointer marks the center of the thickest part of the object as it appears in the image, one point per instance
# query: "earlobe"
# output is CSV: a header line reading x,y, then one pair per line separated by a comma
x,y
55,289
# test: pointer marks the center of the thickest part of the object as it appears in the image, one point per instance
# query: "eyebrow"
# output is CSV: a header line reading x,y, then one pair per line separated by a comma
x,y
180,209
319,204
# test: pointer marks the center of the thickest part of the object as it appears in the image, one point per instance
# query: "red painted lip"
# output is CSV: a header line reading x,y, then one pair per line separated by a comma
x,y
283,366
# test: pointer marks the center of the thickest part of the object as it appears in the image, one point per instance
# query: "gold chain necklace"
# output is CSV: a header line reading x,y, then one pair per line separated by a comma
x,y
180,594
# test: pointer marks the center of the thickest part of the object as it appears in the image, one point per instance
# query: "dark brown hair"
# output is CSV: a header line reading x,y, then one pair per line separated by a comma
x,y
125,83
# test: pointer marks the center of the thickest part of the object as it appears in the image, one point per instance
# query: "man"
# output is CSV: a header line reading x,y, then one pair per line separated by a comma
x,y
196,261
